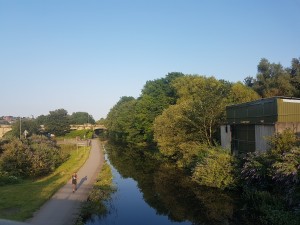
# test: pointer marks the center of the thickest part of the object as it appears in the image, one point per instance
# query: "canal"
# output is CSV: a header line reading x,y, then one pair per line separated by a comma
x,y
150,191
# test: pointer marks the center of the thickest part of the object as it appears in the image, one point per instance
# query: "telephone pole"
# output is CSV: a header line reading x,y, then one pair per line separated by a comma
x,y
20,128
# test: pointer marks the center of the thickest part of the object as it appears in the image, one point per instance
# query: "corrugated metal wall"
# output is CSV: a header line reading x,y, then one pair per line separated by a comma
x,y
243,138
226,136
256,112
252,122
262,133
288,110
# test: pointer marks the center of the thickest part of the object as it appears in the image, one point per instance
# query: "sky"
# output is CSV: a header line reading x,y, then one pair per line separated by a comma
x,y
83,56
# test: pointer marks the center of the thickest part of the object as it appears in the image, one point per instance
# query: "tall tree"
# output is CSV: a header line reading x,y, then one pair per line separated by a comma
x,y
81,118
274,80
58,122
29,125
183,129
156,96
132,119
295,75
240,93
121,118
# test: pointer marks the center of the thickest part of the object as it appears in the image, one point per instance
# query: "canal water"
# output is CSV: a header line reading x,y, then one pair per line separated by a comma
x,y
150,192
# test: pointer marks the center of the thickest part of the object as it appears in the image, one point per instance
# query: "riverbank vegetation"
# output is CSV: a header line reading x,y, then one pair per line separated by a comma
x,y
179,116
99,195
37,166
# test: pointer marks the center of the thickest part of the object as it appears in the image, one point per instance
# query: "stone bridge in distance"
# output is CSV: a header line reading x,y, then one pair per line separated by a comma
x,y
5,128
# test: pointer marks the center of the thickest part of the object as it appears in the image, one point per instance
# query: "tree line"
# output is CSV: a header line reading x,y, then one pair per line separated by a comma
x,y
35,154
57,122
180,115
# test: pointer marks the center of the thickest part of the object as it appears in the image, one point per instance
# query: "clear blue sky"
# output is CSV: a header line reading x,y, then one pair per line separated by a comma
x,y
85,55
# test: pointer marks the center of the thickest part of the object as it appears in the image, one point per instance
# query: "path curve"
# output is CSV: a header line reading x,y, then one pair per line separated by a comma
x,y
64,206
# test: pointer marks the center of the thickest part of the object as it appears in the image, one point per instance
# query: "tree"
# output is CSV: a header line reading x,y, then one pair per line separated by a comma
x,y
132,119
295,75
81,118
240,93
120,118
58,122
30,125
184,130
156,96
274,80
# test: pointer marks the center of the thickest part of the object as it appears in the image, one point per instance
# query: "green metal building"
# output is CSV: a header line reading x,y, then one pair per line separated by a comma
x,y
250,124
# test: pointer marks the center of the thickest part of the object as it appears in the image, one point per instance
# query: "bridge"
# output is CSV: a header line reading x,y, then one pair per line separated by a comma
x,y
5,128
88,126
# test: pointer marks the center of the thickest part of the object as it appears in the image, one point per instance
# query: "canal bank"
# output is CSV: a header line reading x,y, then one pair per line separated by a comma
x,y
64,206
153,192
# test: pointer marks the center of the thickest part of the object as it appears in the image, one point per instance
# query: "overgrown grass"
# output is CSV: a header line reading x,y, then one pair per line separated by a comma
x,y
102,190
20,201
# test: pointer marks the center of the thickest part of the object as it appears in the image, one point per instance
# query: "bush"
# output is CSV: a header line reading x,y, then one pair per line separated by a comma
x,y
276,170
270,209
33,157
5,179
215,170
271,181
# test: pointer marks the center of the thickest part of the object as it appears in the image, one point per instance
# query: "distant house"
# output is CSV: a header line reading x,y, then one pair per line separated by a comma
x,y
250,124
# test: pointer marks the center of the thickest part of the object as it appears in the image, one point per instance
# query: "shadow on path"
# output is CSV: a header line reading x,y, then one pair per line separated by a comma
x,y
82,181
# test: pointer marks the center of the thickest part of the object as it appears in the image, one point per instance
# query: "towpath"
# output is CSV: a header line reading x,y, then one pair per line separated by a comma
x,y
64,206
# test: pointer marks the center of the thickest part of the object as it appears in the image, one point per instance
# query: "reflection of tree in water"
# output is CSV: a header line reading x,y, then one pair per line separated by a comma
x,y
187,201
170,191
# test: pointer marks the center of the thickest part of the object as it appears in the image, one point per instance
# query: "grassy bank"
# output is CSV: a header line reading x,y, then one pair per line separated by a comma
x,y
101,192
20,201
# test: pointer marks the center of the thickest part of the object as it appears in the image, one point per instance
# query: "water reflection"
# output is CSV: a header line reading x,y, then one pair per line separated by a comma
x,y
171,197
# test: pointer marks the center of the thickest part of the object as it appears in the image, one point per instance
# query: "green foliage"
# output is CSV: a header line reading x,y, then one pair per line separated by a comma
x,y
100,193
215,170
6,179
120,119
30,125
269,209
131,120
33,157
274,80
81,118
196,117
80,133
278,168
271,180
240,93
15,199
57,122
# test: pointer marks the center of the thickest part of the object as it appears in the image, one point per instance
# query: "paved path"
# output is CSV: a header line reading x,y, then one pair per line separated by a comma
x,y
63,207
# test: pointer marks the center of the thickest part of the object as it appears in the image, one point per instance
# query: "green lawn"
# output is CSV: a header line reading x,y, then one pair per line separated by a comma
x,y
20,201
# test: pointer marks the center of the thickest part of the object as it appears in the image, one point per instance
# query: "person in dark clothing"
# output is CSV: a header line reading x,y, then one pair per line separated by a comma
x,y
74,181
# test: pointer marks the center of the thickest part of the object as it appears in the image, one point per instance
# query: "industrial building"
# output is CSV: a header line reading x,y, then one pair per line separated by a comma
x,y
250,124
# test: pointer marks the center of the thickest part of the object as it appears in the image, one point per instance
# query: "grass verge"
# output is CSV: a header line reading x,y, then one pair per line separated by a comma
x,y
20,201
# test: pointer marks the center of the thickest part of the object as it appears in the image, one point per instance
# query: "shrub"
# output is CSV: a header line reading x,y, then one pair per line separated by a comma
x,y
269,209
215,170
5,179
34,157
271,180
277,169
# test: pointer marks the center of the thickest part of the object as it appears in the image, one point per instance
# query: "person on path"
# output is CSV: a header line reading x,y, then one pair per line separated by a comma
x,y
74,181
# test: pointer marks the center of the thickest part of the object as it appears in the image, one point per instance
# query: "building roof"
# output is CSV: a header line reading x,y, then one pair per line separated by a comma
x,y
265,111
